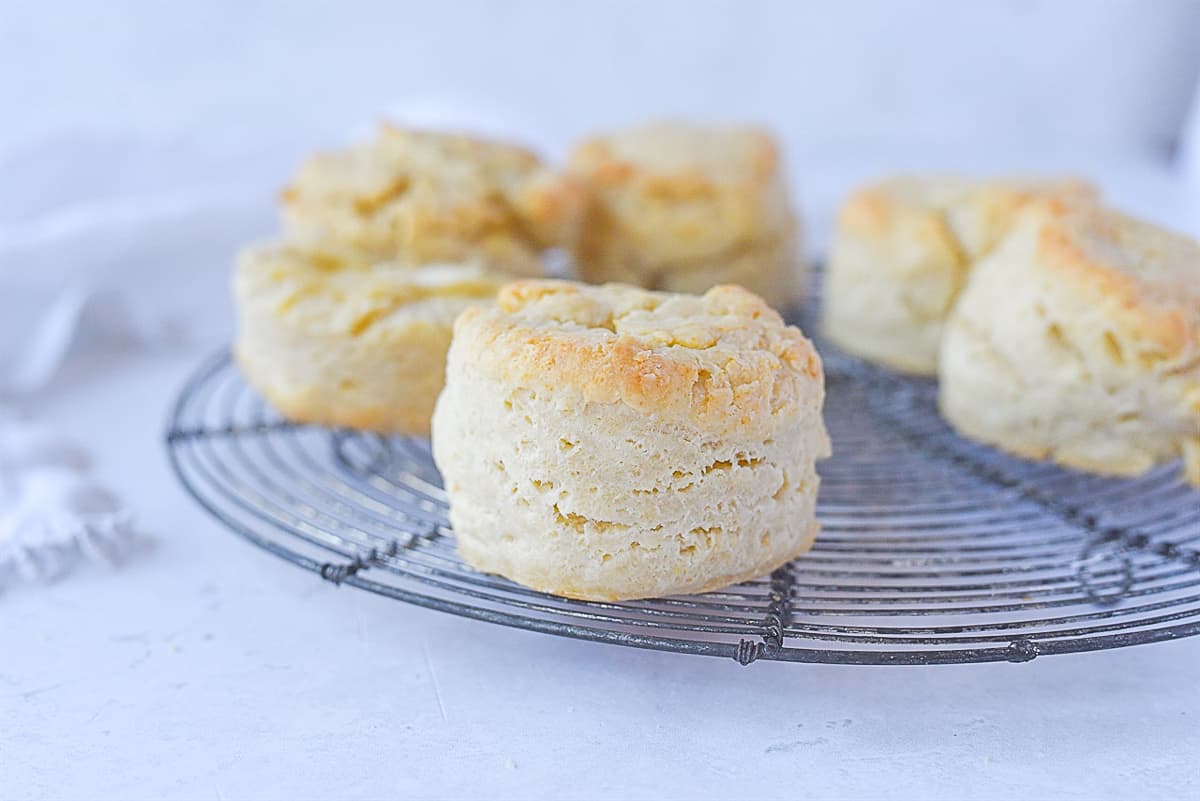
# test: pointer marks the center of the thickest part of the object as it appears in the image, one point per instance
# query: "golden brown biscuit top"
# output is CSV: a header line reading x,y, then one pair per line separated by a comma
x,y
329,292
723,360
940,191
1145,277
974,212
437,184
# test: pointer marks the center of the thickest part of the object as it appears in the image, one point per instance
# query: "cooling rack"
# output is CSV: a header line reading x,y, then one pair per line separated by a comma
x,y
933,550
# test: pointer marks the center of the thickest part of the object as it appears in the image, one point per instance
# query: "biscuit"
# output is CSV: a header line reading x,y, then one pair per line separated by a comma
x,y
347,343
1078,340
901,251
420,197
685,207
612,443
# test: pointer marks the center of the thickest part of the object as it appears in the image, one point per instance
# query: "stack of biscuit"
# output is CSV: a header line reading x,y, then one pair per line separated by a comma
x,y
1058,328
346,320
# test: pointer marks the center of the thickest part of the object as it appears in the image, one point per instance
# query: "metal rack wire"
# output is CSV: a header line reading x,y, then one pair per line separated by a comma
x,y
933,550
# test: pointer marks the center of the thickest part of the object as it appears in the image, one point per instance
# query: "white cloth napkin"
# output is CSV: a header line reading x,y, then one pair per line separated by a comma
x,y
52,513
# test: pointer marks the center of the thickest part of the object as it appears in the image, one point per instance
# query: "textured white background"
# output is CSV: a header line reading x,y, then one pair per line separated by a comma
x,y
138,97
141,141
1080,73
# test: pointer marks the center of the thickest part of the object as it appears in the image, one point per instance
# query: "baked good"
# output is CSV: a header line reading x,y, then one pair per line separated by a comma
x,y
421,197
900,253
610,442
685,207
342,342
1078,340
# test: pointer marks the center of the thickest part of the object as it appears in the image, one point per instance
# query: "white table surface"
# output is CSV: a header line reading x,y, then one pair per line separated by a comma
x,y
205,668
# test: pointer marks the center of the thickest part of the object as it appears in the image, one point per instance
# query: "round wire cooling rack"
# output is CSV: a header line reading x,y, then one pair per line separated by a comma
x,y
933,550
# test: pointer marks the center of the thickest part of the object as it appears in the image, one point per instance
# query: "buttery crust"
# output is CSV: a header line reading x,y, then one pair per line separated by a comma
x,y
724,361
610,443
422,197
1078,340
678,206
901,251
348,343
